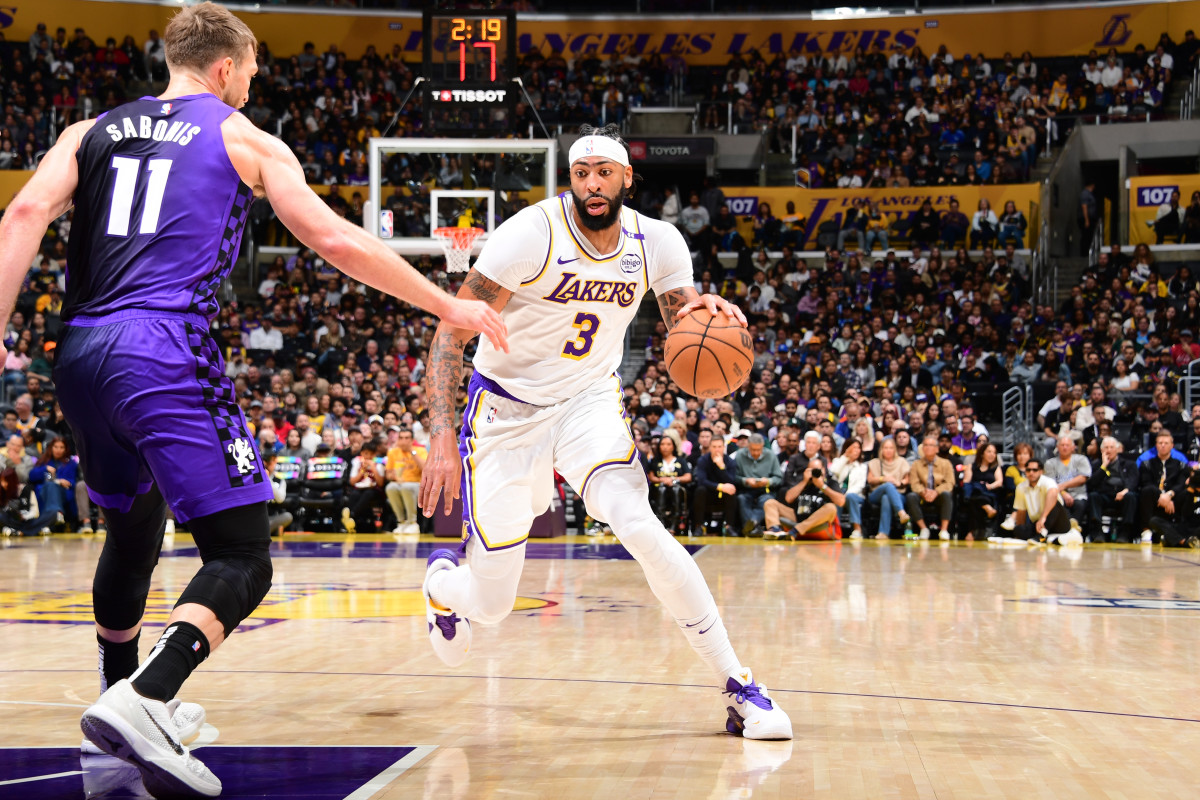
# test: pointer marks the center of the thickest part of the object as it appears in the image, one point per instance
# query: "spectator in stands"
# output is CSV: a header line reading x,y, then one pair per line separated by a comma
x,y
278,516
850,471
757,475
1169,219
1191,221
696,224
669,476
1087,216
365,493
715,475
926,226
1112,488
887,481
405,463
1070,472
1160,479
982,483
954,226
984,225
854,223
54,480
933,489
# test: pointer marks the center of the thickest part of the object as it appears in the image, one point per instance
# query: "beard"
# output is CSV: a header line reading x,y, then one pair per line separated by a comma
x,y
605,220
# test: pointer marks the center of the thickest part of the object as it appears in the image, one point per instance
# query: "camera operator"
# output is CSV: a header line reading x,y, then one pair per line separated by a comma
x,y
811,504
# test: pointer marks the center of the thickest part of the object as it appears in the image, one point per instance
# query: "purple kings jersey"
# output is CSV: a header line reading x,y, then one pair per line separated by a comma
x,y
159,210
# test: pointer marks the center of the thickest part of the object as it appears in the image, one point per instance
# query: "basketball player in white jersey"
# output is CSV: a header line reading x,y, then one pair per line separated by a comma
x,y
567,276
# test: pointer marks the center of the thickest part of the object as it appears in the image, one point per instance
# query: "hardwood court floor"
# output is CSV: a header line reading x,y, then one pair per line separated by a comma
x,y
909,671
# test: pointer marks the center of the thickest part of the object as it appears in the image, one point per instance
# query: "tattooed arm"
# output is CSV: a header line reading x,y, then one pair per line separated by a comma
x,y
678,303
443,376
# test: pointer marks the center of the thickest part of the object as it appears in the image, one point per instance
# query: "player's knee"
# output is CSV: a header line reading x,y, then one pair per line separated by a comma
x,y
619,497
493,610
231,587
235,544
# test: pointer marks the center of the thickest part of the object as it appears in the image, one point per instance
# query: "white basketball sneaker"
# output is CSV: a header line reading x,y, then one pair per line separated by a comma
x,y
449,634
140,731
188,719
752,713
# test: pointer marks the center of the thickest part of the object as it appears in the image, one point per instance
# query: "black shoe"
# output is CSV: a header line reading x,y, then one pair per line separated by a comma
x,y
730,531
1123,539
756,532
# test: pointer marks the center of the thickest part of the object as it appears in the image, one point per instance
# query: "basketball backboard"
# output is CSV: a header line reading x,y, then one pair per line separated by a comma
x,y
432,183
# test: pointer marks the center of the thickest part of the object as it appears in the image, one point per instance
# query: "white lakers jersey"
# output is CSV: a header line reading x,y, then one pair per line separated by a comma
x,y
571,305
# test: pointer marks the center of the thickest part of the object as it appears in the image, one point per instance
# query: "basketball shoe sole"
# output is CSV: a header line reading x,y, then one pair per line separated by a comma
x,y
449,634
188,719
139,731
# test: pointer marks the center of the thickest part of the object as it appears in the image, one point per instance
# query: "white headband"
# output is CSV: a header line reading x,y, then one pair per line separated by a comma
x,y
602,146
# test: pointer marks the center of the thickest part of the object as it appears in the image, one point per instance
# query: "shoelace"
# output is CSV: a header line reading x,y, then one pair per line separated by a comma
x,y
448,625
750,692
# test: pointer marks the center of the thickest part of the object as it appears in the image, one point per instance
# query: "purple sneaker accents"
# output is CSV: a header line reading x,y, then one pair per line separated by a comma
x,y
748,693
448,625
442,553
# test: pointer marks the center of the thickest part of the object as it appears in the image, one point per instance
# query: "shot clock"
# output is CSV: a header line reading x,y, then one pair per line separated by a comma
x,y
470,57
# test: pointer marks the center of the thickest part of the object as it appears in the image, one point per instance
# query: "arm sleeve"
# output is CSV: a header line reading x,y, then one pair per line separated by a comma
x,y
518,250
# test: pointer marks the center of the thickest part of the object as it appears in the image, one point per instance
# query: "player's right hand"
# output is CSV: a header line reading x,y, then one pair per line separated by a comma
x,y
442,475
477,315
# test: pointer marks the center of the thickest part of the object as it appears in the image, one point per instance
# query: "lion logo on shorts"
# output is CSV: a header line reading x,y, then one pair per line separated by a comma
x,y
243,455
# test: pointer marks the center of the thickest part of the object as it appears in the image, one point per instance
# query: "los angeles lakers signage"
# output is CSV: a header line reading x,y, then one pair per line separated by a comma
x,y
1071,30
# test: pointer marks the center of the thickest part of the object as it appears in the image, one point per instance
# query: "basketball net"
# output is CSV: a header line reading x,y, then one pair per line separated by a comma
x,y
456,244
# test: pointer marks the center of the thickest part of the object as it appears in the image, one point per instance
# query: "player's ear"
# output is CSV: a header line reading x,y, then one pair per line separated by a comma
x,y
629,176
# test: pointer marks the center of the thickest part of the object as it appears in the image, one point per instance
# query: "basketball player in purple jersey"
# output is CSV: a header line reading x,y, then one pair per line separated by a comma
x,y
161,189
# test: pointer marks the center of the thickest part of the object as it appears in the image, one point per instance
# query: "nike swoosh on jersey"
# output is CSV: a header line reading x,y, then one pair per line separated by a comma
x,y
562,260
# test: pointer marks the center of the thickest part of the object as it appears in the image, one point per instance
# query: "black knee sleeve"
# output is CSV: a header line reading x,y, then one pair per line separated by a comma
x,y
127,562
235,547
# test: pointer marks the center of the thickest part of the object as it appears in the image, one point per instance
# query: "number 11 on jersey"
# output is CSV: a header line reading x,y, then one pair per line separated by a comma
x,y
581,345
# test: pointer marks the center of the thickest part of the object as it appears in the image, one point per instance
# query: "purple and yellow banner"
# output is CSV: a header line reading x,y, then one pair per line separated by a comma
x,y
816,206
1148,194
1072,30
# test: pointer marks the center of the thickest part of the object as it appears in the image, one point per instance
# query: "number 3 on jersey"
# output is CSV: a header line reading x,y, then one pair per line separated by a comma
x,y
581,345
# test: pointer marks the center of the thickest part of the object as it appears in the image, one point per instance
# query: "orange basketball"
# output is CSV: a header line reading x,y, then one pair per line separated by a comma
x,y
708,356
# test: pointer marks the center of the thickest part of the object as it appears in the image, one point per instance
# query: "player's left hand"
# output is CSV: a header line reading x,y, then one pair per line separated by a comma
x,y
715,304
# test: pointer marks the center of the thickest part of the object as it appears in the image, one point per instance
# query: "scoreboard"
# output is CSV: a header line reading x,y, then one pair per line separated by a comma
x,y
470,58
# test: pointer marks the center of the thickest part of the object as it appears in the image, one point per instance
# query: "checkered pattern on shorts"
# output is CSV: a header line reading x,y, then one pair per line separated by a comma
x,y
222,406
204,299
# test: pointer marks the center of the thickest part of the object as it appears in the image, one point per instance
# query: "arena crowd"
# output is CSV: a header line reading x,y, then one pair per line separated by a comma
x,y
876,375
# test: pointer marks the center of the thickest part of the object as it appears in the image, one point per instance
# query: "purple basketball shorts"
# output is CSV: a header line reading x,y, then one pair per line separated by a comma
x,y
147,398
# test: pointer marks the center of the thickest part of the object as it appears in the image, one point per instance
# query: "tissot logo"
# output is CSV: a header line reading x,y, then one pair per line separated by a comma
x,y
471,95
